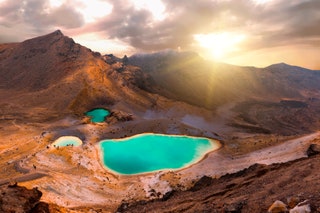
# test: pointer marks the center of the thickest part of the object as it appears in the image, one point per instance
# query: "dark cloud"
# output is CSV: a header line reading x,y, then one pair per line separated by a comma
x,y
65,16
126,23
37,16
305,19
286,23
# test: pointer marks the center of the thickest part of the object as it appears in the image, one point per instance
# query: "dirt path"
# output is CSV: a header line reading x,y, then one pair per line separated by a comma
x,y
23,178
27,174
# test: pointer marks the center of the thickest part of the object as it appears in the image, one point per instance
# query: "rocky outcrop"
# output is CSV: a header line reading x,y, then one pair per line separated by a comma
x,y
313,149
117,115
201,183
280,207
303,207
18,199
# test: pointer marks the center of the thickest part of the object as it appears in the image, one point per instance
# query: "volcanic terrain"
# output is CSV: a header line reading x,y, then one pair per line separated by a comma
x,y
266,119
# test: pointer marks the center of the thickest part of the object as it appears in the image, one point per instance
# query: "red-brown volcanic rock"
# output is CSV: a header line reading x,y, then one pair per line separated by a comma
x,y
251,190
55,73
19,199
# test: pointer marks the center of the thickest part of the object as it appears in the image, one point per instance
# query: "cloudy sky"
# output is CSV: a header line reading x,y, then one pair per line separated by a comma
x,y
242,32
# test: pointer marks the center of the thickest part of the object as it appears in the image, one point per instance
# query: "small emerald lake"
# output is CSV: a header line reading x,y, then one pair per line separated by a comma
x,y
98,115
67,141
152,152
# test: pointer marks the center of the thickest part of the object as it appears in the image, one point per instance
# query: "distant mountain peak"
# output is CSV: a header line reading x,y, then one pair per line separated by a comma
x,y
54,39
37,62
284,66
58,32
281,64
55,34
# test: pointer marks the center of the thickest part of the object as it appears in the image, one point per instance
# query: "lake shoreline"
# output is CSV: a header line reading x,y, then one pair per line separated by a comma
x,y
215,145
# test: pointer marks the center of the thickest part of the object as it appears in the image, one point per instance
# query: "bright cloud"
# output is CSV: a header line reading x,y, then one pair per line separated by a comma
x,y
90,10
94,9
156,7
262,1
220,44
56,3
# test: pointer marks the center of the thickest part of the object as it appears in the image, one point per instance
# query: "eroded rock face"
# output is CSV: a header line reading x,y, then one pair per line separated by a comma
x,y
18,199
202,182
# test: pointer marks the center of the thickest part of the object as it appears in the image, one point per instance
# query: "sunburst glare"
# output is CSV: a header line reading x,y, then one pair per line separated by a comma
x,y
219,45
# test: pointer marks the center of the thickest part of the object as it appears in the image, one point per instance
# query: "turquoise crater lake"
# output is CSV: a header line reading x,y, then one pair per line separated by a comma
x,y
152,152
98,115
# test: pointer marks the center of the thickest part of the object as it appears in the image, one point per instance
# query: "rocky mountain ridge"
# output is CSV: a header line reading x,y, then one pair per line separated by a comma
x,y
54,67
188,77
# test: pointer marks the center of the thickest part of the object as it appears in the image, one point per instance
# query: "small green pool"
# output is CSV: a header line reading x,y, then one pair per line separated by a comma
x,y
67,141
98,115
152,152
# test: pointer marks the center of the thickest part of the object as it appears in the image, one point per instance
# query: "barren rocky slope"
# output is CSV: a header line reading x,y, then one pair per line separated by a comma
x,y
280,98
251,190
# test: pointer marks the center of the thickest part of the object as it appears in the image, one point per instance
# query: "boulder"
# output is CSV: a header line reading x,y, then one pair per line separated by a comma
x,y
303,207
18,199
278,207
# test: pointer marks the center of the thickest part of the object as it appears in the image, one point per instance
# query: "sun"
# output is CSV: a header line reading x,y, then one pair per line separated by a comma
x,y
219,45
